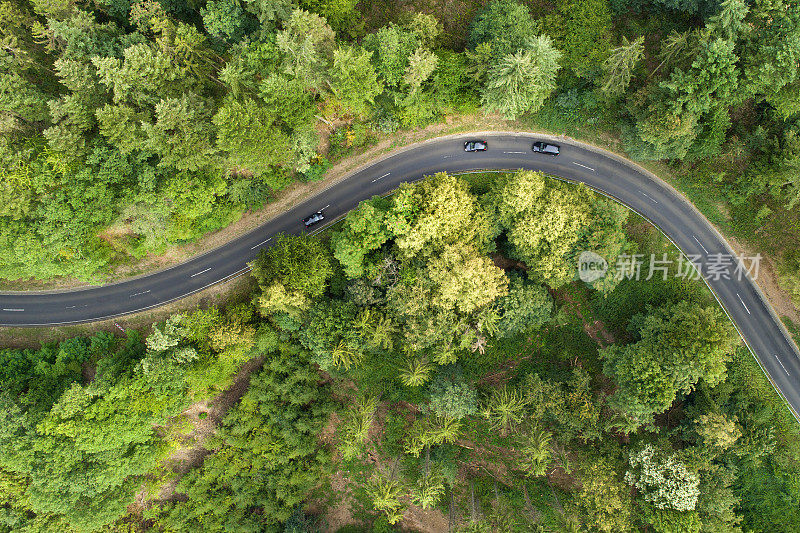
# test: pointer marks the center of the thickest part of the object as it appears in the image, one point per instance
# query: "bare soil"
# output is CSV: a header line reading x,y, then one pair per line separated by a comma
x,y
424,520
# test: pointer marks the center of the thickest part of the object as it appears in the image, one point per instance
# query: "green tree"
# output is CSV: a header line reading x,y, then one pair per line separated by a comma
x,y
679,344
662,479
353,80
307,44
526,306
270,12
426,216
416,372
464,280
717,431
363,231
541,222
265,459
729,21
299,263
521,82
620,65
429,490
19,97
505,26
582,31
770,54
354,431
392,47
505,409
453,399
535,452
73,114
183,133
248,134
385,495
226,19
604,499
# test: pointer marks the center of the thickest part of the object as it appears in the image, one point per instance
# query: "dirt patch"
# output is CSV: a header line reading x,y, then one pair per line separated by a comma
x,y
88,372
489,459
341,514
424,520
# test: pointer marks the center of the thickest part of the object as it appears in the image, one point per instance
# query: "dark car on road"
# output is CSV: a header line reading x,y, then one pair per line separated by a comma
x,y
475,146
546,148
314,219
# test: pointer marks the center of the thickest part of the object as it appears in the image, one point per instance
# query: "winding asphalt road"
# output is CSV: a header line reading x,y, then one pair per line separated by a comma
x,y
605,172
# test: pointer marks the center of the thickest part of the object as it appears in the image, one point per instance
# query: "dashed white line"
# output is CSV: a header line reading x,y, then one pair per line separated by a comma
x,y
701,244
447,156
783,367
201,272
513,152
377,179
139,293
743,305
584,166
648,197
259,244
13,310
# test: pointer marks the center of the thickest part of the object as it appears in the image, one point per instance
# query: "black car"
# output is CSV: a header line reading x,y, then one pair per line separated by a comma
x,y
475,146
546,148
314,219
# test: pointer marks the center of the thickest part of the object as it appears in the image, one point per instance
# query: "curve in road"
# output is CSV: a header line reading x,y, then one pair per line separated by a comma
x,y
603,171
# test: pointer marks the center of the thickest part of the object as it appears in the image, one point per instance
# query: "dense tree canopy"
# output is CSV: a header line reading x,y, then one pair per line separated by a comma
x,y
678,346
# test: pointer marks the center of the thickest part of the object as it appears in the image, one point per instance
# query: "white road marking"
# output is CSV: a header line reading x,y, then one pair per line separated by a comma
x,y
584,166
227,278
701,244
649,197
262,242
513,152
139,293
783,367
377,179
327,206
447,156
202,272
745,307
14,310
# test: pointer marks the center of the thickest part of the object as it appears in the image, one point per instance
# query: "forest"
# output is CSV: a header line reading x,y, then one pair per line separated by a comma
x,y
432,361
130,127
429,363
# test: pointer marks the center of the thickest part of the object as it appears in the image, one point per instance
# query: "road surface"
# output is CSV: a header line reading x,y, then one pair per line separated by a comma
x,y
603,171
